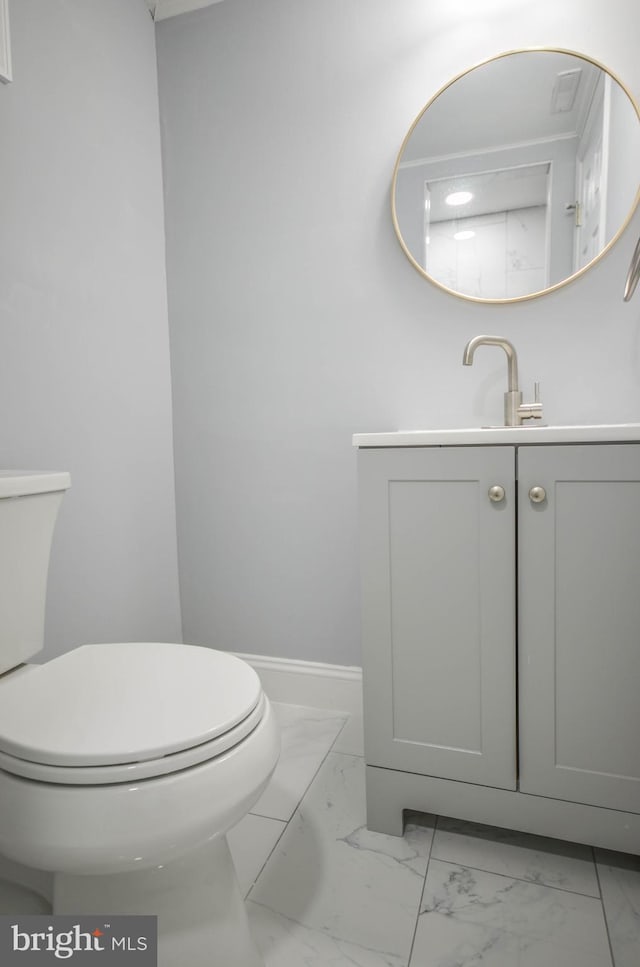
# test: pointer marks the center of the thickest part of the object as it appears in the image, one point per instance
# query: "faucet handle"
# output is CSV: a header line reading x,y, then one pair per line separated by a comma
x,y
532,411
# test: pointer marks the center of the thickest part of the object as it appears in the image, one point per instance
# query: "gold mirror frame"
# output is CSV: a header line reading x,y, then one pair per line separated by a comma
x,y
398,165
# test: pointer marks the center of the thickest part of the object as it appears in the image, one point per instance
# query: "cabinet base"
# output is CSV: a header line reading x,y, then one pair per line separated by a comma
x,y
389,792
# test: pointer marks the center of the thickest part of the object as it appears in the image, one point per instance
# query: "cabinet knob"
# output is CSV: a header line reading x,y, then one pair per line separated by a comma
x,y
496,493
537,495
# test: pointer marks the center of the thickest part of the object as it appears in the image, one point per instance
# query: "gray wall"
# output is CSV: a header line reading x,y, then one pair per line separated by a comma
x,y
295,318
85,379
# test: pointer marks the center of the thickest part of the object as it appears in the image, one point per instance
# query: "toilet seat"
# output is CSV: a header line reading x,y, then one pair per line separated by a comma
x,y
134,771
113,713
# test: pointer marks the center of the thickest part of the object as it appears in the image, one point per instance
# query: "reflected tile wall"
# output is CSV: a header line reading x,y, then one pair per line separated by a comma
x,y
505,258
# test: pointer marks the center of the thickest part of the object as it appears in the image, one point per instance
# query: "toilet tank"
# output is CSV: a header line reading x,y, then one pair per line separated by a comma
x,y
29,503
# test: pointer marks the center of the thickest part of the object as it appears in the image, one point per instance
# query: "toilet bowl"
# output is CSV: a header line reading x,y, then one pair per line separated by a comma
x,y
123,765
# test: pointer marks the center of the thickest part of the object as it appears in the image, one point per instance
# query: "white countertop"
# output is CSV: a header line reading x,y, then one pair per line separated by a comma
x,y
496,435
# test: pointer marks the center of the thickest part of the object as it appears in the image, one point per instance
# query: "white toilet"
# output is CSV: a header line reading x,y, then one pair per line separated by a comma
x,y
123,765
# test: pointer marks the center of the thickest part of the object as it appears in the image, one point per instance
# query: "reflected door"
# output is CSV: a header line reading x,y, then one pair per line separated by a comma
x,y
590,220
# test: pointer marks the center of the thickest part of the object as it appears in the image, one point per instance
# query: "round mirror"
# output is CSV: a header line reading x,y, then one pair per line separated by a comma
x,y
518,175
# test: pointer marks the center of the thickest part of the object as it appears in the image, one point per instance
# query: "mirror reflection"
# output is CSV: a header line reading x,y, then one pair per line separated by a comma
x,y
518,175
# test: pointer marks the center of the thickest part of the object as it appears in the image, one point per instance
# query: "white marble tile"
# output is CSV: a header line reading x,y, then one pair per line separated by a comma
x,y
524,282
351,739
470,918
251,843
526,238
481,263
330,878
567,866
285,943
307,735
620,884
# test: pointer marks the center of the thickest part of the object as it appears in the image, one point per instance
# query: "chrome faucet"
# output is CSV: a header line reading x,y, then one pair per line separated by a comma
x,y
515,411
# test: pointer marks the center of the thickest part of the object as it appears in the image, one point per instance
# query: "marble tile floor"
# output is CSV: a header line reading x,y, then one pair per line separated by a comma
x,y
323,891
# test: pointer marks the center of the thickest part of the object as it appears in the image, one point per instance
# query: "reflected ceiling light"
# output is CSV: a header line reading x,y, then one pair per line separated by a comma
x,y
463,236
459,197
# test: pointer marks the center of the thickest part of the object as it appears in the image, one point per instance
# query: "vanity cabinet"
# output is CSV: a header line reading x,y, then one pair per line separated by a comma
x,y
501,636
438,571
579,624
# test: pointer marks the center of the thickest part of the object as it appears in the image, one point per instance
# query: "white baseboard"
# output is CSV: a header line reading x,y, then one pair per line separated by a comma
x,y
315,684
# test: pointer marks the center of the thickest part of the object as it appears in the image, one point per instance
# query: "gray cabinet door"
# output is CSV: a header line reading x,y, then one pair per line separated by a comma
x,y
579,624
438,592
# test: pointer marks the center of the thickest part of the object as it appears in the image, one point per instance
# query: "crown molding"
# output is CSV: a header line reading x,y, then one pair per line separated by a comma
x,y
162,9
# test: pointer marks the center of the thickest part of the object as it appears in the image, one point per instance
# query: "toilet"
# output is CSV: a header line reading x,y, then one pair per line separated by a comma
x,y
123,765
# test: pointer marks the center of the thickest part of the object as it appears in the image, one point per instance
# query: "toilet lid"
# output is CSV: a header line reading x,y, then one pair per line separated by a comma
x,y
110,704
